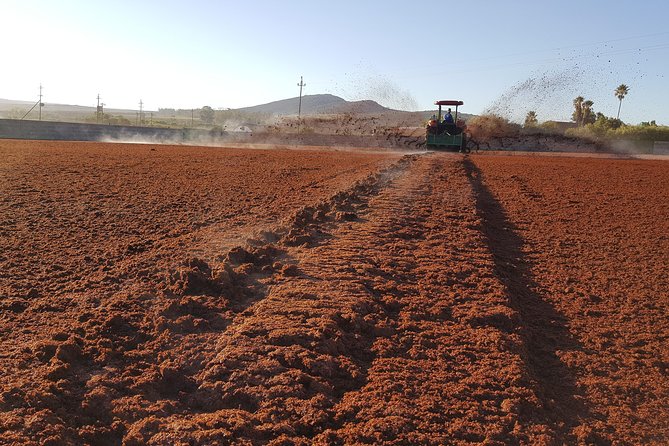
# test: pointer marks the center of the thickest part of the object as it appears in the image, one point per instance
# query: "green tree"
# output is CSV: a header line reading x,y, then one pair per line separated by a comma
x,y
531,119
620,93
577,116
603,124
207,115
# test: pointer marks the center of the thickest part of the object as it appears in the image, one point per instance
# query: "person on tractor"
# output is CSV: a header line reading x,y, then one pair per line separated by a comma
x,y
448,118
432,124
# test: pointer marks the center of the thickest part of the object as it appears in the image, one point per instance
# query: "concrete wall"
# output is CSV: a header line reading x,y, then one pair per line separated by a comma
x,y
49,130
661,148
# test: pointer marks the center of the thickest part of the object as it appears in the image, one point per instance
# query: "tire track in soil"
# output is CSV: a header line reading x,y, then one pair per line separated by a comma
x,y
543,329
447,366
595,238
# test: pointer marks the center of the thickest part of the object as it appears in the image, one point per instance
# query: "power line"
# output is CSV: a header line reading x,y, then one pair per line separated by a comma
x,y
463,65
567,47
459,67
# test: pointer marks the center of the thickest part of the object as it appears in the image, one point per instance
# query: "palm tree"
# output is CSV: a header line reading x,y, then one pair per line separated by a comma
x,y
620,93
588,116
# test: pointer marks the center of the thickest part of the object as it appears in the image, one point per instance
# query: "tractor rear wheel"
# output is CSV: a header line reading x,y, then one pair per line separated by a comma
x,y
463,146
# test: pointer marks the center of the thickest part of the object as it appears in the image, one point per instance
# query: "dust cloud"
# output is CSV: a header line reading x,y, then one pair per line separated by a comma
x,y
593,73
547,93
365,84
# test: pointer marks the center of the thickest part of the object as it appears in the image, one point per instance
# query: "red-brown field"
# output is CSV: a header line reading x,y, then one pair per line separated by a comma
x,y
169,296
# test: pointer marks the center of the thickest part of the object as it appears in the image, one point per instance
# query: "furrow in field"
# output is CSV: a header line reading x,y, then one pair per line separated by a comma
x,y
393,329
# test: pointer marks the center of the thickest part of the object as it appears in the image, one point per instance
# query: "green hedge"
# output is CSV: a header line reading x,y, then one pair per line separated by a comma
x,y
627,132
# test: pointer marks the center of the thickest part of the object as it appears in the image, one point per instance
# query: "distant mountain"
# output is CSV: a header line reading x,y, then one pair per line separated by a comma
x,y
311,105
10,102
6,104
363,107
330,104
316,104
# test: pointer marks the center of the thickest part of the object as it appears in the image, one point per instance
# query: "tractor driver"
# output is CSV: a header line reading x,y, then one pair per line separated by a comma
x,y
448,118
432,124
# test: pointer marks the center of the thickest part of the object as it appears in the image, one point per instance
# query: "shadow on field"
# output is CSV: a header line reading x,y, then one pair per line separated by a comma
x,y
543,329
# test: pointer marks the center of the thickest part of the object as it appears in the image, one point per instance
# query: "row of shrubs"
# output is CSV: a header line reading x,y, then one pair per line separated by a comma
x,y
641,132
486,126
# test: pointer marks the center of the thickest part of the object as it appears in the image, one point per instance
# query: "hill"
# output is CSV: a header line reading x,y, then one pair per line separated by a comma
x,y
318,104
8,104
314,105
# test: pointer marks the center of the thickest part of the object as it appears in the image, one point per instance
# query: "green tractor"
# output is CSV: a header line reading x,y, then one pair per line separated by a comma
x,y
447,133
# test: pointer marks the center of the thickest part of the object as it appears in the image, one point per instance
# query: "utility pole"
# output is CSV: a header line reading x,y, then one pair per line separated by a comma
x,y
99,110
41,104
141,112
299,107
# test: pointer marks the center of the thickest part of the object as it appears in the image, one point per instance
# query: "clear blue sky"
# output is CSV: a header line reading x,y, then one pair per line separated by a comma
x,y
513,56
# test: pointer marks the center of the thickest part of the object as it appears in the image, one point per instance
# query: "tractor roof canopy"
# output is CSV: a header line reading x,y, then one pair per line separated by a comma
x,y
449,103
